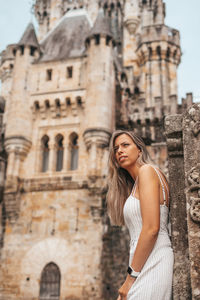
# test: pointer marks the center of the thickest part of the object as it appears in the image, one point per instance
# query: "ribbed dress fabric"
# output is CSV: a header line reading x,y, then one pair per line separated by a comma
x,y
155,279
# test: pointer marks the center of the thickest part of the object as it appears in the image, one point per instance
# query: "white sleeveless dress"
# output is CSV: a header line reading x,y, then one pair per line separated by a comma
x,y
155,279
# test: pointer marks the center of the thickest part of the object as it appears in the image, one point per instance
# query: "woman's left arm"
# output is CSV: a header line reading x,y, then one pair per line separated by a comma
x,y
149,195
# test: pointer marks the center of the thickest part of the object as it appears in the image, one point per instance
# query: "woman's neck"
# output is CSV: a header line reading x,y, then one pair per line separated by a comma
x,y
134,170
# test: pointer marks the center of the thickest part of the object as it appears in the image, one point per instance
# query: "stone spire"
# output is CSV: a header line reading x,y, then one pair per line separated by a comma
x,y
101,25
29,37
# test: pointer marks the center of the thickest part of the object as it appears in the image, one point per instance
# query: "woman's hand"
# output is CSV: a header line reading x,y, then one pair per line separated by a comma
x,y
124,289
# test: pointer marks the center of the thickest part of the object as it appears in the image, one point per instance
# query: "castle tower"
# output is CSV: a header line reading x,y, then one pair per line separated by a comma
x,y
158,48
49,12
42,14
18,140
100,90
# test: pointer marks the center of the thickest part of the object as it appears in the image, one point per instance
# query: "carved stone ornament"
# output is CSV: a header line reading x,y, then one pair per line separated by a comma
x,y
194,113
132,23
195,208
193,176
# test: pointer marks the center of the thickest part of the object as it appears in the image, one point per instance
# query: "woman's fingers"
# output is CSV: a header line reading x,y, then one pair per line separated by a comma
x,y
120,297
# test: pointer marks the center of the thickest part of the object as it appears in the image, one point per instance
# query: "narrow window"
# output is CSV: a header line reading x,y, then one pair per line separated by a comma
x,y
97,39
58,107
49,75
79,101
45,153
108,39
50,282
59,152
68,101
74,151
32,51
69,72
47,104
22,50
36,105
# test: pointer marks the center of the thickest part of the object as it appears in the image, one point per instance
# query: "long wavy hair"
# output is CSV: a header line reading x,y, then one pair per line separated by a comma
x,y
120,182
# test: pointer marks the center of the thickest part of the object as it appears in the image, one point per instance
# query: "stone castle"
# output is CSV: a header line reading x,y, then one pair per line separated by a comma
x,y
94,66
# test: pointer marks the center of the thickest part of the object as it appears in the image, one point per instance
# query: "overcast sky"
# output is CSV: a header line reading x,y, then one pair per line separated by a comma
x,y
183,15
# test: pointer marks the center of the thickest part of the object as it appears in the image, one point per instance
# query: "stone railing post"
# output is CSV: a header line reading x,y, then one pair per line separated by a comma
x,y
181,279
191,140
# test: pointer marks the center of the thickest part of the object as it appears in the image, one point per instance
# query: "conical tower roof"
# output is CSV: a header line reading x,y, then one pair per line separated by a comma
x,y
29,37
101,25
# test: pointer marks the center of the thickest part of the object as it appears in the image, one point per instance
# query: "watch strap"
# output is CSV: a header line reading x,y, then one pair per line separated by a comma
x,y
132,273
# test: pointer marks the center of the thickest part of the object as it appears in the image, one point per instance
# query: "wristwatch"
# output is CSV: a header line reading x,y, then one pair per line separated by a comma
x,y
132,273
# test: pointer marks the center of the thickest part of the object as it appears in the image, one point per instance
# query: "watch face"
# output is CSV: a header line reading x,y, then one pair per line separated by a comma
x,y
129,270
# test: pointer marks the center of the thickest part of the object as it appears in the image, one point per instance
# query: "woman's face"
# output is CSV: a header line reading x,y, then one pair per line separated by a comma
x,y
126,151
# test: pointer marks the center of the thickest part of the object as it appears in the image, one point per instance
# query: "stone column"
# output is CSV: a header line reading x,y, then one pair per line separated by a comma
x,y
52,158
181,279
65,157
191,139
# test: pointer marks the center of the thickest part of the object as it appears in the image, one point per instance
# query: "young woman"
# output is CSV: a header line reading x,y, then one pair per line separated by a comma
x,y
138,196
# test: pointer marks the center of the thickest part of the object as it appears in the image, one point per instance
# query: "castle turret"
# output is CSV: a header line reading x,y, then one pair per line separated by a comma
x,y
131,22
100,90
153,12
158,49
18,127
6,71
49,12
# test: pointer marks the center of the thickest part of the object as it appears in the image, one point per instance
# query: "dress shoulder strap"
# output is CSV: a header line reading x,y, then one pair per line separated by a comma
x,y
163,185
134,187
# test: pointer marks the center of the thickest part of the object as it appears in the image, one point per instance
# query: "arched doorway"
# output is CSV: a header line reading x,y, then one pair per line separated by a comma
x,y
50,282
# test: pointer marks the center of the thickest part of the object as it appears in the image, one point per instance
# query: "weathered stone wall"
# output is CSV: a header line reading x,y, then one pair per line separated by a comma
x,y
191,142
183,141
181,281
53,226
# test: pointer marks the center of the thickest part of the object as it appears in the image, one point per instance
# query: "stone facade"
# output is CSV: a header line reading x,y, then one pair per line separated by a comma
x,y
95,66
183,140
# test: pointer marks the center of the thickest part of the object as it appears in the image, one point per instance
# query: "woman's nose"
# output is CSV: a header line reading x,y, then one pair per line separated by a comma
x,y
119,150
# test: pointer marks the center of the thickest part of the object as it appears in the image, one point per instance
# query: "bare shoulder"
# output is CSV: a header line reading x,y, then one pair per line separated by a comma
x,y
147,172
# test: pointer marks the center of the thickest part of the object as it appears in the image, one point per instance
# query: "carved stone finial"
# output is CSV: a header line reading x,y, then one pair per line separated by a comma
x,y
194,114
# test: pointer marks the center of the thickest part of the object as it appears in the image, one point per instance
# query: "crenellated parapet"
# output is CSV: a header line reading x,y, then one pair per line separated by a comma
x,y
58,107
155,33
159,42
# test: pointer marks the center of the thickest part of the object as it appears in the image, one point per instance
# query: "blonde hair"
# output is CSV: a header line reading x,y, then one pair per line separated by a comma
x,y
120,182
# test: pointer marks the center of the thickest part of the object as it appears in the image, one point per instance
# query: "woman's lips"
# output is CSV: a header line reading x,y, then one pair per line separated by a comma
x,y
122,158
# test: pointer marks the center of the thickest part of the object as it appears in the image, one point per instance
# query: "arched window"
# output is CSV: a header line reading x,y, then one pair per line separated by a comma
x,y
73,151
59,152
45,153
50,282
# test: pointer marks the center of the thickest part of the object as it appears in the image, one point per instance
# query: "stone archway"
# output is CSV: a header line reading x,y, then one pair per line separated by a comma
x,y
50,250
